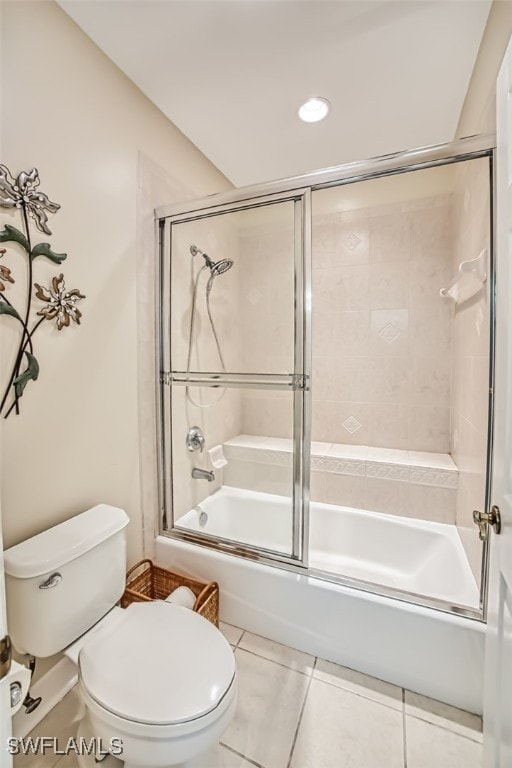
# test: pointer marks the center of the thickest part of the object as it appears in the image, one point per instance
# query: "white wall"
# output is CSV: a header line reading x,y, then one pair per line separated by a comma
x,y
478,113
67,110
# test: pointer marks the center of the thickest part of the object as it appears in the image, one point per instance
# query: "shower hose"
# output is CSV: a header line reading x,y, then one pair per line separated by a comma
x,y
191,337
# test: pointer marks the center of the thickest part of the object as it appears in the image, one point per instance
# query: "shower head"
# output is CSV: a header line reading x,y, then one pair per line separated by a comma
x,y
216,267
219,267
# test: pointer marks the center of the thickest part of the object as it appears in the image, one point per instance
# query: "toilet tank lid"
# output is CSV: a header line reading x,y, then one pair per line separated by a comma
x,y
64,542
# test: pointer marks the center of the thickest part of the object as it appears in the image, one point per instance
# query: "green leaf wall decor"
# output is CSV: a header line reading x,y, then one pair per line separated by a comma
x,y
31,372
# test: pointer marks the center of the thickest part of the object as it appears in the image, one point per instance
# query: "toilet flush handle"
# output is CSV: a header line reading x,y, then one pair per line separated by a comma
x,y
51,581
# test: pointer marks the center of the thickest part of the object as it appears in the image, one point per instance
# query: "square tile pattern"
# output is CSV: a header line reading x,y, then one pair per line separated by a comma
x,y
297,711
379,326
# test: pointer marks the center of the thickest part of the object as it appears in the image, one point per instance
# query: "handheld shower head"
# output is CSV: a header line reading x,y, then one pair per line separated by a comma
x,y
216,267
219,267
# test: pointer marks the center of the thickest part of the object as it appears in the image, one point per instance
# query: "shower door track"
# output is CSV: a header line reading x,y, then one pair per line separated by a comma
x,y
468,148
267,558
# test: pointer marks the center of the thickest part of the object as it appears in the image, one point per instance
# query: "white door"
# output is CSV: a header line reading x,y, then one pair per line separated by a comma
x,y
498,663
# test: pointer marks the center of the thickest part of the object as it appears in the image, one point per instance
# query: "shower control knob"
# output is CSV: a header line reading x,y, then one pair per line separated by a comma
x,y
195,439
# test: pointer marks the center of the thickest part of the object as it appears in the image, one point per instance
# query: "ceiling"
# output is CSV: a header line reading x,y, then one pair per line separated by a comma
x,y
231,74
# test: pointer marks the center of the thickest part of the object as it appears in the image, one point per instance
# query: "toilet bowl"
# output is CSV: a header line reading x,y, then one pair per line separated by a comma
x,y
158,683
158,680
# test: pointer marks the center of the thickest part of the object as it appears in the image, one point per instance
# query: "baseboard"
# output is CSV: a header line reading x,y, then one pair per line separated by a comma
x,y
52,687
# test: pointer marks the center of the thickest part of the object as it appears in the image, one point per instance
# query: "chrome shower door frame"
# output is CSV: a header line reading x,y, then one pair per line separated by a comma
x,y
297,381
460,150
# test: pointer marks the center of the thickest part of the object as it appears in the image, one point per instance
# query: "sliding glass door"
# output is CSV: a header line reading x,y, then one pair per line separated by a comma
x,y
234,374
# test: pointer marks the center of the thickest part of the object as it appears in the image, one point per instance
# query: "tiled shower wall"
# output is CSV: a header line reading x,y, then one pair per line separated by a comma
x,y
382,339
470,373
253,309
266,318
381,333
222,421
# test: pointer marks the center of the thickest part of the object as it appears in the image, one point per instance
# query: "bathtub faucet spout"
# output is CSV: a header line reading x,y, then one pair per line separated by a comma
x,y
202,474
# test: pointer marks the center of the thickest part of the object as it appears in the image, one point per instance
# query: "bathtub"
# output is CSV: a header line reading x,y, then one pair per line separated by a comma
x,y
416,556
428,651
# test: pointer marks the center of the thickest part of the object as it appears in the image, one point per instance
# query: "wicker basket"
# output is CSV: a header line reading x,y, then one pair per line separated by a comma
x,y
155,583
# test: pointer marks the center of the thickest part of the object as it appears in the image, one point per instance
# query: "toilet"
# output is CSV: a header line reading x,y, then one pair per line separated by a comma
x,y
158,680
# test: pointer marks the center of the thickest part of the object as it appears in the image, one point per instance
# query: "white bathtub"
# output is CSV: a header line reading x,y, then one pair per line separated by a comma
x,y
428,651
412,555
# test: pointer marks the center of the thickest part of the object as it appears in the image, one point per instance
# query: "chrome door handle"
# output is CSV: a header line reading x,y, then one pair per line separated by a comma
x,y
485,519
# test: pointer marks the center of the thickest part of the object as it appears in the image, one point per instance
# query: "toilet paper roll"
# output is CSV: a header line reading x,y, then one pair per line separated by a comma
x,y
182,596
216,456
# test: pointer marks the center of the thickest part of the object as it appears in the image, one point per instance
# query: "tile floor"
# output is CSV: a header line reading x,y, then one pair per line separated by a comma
x,y
297,711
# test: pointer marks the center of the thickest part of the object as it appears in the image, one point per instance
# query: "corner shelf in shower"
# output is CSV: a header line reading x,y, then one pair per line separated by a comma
x,y
470,277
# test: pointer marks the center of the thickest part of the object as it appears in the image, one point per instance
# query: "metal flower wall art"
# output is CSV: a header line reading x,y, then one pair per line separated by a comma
x,y
56,304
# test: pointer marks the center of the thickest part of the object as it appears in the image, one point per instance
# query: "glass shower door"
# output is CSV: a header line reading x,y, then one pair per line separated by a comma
x,y
233,375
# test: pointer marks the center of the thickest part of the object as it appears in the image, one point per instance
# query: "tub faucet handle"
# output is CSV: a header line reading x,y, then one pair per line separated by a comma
x,y
195,439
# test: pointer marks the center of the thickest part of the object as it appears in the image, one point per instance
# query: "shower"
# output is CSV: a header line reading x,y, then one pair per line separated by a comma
x,y
216,268
356,396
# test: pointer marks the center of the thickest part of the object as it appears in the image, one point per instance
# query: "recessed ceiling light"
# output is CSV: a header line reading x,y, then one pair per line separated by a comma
x,y
315,109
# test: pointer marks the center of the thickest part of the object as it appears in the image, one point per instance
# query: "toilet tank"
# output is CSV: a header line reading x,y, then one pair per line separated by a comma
x,y
62,581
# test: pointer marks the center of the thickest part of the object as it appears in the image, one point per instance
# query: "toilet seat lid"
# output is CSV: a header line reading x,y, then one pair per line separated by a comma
x,y
160,664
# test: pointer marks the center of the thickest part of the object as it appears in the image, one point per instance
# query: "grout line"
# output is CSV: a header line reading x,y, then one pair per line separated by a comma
x,y
311,674
273,661
240,754
233,645
299,721
357,693
256,653
475,740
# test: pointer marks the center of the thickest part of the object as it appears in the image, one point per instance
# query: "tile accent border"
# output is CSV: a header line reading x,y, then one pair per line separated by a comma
x,y
403,466
438,477
258,455
338,466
